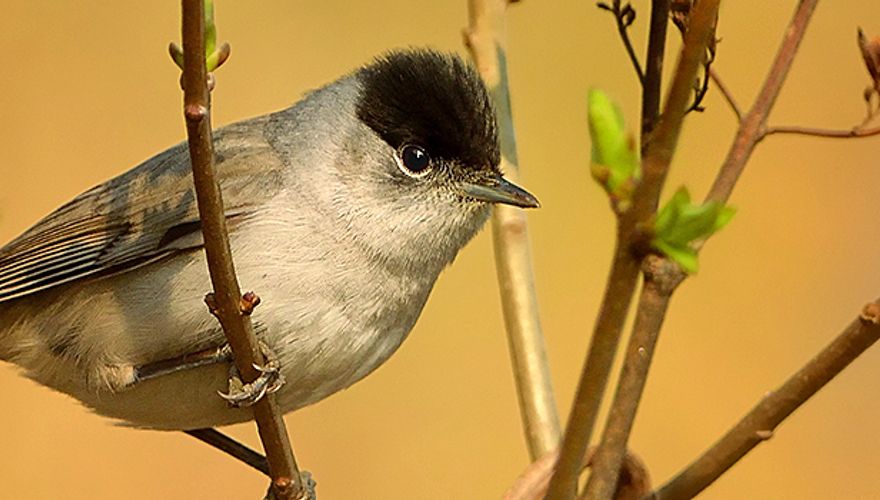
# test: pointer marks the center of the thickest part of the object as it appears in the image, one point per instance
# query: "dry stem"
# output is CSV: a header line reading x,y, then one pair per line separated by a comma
x,y
752,125
852,133
239,331
726,93
485,37
624,270
758,425
661,278
652,83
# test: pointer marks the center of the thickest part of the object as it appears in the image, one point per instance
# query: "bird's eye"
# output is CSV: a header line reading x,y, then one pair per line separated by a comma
x,y
414,159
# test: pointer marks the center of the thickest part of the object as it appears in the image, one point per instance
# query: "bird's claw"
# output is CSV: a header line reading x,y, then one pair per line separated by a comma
x,y
242,395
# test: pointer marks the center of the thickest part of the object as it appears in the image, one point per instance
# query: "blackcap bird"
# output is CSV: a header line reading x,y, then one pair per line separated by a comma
x,y
342,211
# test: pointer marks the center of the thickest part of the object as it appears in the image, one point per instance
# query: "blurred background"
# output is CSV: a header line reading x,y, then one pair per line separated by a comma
x,y
88,91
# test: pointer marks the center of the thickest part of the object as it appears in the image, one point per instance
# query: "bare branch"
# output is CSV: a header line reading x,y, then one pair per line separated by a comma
x,y
726,93
751,127
624,270
654,67
852,133
486,39
228,445
661,279
286,480
759,424
623,18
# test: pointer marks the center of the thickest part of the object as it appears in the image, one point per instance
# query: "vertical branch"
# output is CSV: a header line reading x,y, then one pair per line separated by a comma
x,y
286,480
751,129
625,267
485,38
654,67
661,279
619,290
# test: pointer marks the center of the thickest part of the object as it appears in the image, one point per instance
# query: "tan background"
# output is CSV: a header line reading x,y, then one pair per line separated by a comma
x,y
86,91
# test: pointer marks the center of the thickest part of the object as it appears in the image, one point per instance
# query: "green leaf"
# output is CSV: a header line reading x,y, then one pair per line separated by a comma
x,y
615,161
685,257
680,224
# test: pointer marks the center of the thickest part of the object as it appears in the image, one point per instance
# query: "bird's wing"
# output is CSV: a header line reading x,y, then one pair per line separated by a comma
x,y
142,215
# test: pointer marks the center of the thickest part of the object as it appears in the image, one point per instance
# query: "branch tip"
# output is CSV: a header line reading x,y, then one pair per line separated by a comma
x,y
871,313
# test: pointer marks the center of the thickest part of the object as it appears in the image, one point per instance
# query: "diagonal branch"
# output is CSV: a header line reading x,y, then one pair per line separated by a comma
x,y
751,127
485,38
758,425
726,93
232,447
286,480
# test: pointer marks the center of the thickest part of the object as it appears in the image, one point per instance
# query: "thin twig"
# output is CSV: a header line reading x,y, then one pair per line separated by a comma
x,y
661,279
823,132
486,39
752,125
726,93
625,267
622,27
759,424
286,480
232,447
654,67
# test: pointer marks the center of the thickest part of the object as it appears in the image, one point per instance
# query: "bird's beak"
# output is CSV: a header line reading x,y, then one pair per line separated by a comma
x,y
497,189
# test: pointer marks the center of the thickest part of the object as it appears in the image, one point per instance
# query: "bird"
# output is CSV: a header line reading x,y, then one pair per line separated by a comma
x,y
342,211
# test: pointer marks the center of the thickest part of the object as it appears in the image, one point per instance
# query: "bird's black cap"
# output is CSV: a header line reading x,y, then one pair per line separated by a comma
x,y
433,100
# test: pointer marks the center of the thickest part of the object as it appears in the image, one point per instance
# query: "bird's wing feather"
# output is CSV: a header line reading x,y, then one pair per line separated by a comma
x,y
142,215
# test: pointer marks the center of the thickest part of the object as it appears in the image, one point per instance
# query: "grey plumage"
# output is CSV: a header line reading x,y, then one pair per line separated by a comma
x,y
326,224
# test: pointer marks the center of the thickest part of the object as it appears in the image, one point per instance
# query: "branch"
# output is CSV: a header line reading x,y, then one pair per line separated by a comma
x,y
619,290
852,133
726,93
751,127
232,447
758,425
623,19
635,482
286,480
654,67
661,279
625,267
485,38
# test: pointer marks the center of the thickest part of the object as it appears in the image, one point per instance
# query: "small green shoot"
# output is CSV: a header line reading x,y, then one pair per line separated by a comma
x,y
214,56
680,224
615,160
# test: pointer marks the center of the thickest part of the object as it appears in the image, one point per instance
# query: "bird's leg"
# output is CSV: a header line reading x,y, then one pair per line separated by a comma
x,y
240,394
269,381
222,354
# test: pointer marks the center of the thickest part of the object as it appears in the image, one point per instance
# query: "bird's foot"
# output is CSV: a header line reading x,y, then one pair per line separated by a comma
x,y
246,394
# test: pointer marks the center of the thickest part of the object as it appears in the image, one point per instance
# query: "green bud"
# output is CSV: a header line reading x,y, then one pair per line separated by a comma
x,y
615,160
